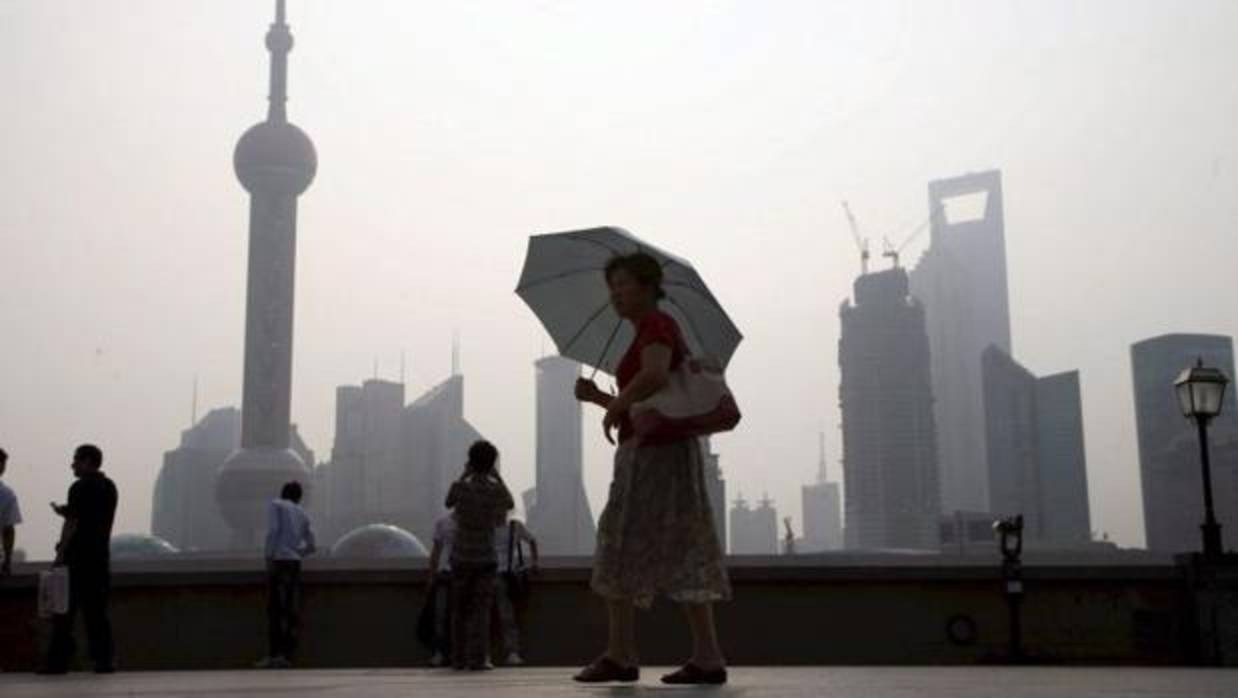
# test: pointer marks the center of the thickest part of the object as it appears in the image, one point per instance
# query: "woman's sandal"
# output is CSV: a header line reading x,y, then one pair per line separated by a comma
x,y
692,674
604,670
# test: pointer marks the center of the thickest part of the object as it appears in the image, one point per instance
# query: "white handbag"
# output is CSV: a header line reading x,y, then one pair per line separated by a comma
x,y
696,401
53,592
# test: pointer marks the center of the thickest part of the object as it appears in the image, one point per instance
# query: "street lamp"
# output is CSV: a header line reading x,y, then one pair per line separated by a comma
x,y
1200,393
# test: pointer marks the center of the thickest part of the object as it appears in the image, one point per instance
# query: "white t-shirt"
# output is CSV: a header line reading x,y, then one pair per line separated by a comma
x,y
445,538
10,513
289,535
502,535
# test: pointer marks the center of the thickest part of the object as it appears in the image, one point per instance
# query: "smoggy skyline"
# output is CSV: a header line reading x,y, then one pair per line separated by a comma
x,y
725,132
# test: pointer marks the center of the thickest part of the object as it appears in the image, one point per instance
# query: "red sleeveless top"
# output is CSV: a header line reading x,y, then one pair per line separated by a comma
x,y
655,328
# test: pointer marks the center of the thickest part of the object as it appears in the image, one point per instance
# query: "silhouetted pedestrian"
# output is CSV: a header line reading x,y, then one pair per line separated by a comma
x,y
289,538
84,546
512,582
656,535
10,516
438,595
480,501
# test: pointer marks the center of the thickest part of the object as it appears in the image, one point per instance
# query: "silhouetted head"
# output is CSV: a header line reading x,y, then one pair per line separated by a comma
x,y
4,460
483,457
635,282
291,491
87,459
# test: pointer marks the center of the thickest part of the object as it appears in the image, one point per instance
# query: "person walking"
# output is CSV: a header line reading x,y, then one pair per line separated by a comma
x,y
439,594
508,539
10,516
290,537
656,534
480,501
85,537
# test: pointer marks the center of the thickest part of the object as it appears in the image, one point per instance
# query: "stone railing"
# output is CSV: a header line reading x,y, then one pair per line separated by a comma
x,y
210,614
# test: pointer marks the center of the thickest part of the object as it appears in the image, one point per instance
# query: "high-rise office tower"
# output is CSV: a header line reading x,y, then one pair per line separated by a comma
x,y
179,512
275,162
961,280
822,507
367,480
1035,450
889,441
436,440
1169,465
754,531
560,517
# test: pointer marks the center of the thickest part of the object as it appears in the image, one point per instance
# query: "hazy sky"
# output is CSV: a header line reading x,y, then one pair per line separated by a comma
x,y
726,132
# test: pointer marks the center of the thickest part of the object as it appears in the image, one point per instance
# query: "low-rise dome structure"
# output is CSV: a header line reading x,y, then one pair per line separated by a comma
x,y
140,546
379,541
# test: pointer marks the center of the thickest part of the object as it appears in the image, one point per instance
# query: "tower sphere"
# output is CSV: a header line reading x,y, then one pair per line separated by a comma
x,y
275,158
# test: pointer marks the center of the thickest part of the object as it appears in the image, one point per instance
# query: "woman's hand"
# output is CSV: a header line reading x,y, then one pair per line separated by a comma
x,y
588,391
614,417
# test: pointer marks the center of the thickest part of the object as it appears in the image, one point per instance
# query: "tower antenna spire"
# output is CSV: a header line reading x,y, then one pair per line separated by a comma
x,y
279,43
822,474
455,353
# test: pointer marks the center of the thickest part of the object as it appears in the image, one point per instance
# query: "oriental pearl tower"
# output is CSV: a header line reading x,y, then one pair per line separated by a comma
x,y
275,162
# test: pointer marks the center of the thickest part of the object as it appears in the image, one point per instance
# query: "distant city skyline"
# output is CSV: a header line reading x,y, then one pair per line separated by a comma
x,y
728,134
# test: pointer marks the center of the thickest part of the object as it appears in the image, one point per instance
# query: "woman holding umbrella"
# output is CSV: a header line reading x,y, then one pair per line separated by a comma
x,y
656,535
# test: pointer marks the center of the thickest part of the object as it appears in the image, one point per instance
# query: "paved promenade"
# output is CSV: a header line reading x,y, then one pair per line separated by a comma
x,y
825,682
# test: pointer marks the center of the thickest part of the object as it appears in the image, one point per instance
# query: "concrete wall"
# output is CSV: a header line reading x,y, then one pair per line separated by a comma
x,y
210,615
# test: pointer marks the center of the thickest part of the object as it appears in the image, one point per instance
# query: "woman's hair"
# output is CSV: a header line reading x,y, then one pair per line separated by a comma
x,y
482,457
642,267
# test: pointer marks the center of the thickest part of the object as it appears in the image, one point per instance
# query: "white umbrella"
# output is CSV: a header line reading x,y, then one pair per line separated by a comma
x,y
563,283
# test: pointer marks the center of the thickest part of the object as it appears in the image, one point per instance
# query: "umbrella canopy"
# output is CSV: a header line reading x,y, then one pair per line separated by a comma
x,y
563,283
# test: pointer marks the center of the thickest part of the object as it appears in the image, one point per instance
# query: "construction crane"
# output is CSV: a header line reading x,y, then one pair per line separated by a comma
x,y
893,251
861,243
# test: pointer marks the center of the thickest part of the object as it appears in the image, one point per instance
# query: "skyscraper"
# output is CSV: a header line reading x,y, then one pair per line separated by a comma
x,y
367,481
560,516
1035,450
436,440
961,280
889,442
754,531
179,512
1168,450
822,507
275,162
1067,516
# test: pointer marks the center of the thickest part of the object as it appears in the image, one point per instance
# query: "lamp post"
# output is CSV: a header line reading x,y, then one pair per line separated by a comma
x,y
1201,390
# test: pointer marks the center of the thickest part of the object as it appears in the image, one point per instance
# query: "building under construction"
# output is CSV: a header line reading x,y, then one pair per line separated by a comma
x,y
889,441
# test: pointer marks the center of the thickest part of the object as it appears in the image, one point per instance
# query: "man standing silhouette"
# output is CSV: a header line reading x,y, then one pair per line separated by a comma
x,y
289,538
84,540
10,516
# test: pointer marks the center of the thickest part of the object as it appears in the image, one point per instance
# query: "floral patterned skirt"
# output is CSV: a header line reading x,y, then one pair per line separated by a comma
x,y
656,535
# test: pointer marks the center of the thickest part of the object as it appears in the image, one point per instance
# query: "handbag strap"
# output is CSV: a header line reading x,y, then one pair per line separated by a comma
x,y
511,537
513,547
